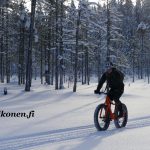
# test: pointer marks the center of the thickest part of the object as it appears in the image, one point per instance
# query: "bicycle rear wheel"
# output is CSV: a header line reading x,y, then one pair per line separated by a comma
x,y
101,118
121,121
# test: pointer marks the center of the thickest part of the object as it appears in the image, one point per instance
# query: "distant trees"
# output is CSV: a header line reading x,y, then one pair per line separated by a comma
x,y
60,42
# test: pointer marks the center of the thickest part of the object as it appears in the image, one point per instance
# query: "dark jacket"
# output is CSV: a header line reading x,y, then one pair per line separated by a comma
x,y
114,80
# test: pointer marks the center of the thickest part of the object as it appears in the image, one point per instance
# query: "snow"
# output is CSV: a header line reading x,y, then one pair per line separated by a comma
x,y
64,120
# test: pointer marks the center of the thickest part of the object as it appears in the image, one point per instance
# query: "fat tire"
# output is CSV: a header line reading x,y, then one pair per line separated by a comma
x,y
125,117
96,116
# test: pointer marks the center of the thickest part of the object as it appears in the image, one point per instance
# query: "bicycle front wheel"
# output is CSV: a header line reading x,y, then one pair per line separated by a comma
x,y
101,118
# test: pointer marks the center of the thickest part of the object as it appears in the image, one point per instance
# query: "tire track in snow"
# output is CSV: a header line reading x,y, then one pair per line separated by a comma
x,y
18,143
138,122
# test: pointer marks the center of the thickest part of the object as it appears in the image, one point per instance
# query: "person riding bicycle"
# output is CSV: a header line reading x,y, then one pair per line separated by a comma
x,y
115,85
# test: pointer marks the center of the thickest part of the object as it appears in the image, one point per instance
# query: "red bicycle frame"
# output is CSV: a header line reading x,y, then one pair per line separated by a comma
x,y
108,103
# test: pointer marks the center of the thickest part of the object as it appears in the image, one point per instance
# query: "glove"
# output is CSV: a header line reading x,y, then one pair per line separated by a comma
x,y
97,92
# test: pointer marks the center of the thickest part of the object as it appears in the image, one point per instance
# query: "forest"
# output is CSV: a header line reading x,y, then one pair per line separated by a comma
x,y
62,42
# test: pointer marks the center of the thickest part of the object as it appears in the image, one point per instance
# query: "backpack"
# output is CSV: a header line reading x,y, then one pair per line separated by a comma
x,y
120,75
115,79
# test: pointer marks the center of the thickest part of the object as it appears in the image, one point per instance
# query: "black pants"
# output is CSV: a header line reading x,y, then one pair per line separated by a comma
x,y
115,94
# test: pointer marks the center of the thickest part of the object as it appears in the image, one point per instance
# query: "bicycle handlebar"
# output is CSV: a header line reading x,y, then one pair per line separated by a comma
x,y
98,92
103,93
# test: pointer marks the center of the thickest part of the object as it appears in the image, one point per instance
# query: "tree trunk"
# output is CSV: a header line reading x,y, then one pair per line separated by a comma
x,y
52,66
7,51
49,51
148,65
21,67
82,67
2,48
29,51
61,49
76,52
41,66
108,32
133,64
142,48
56,51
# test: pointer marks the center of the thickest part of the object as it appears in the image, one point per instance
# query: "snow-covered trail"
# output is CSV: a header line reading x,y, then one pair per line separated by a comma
x,y
71,134
64,120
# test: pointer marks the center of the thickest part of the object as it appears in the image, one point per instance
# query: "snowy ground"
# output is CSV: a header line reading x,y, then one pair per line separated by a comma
x,y
64,120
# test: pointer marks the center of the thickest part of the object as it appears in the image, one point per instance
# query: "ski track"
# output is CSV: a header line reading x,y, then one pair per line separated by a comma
x,y
63,135
27,141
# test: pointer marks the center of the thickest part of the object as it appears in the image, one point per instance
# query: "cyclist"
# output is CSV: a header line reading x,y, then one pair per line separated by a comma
x,y
115,85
